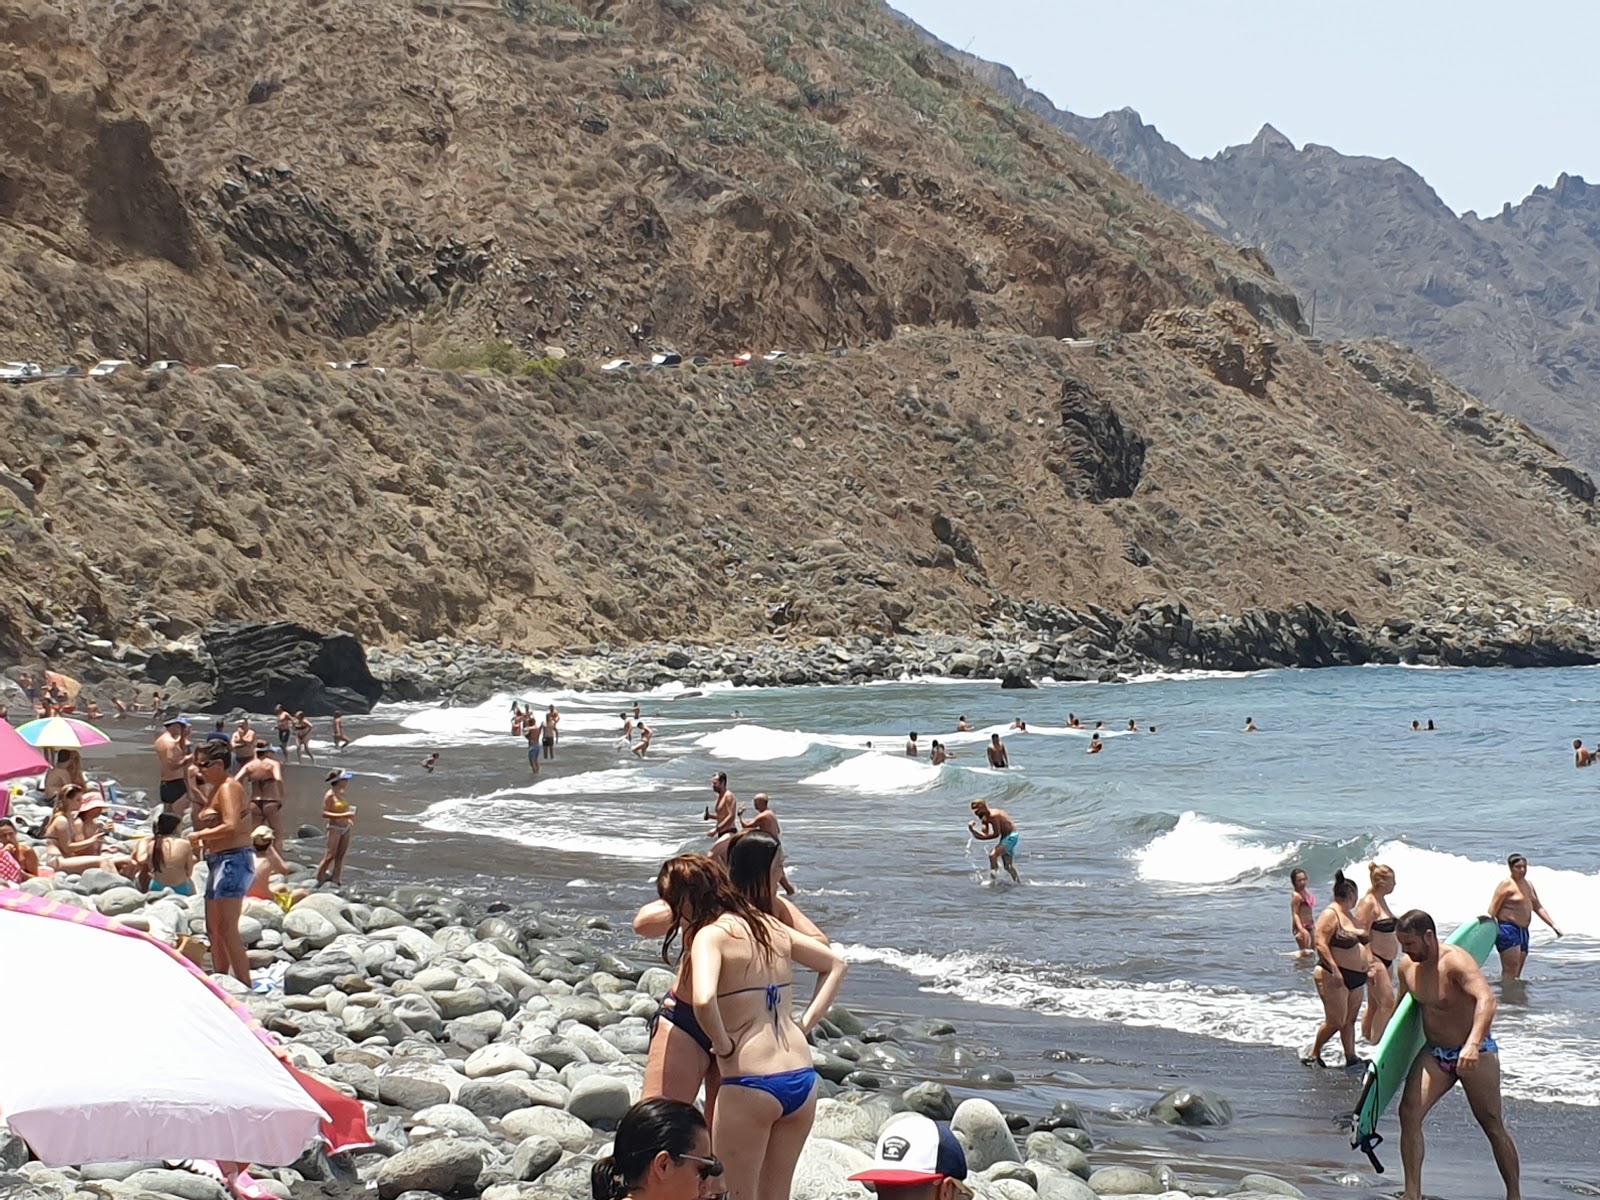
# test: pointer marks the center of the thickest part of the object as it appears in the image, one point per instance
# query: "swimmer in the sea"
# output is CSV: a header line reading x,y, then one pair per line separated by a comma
x,y
1133,726
1249,726
939,754
998,827
1581,756
1020,725
998,757
1073,722
962,726
1095,744
911,746
429,763
1416,727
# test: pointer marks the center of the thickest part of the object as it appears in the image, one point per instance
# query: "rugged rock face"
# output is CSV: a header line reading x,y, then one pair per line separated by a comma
x,y
1505,305
258,665
1100,459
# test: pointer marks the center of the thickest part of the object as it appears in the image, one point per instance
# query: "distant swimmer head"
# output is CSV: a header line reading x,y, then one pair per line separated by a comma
x,y
1382,877
755,862
1417,935
1344,888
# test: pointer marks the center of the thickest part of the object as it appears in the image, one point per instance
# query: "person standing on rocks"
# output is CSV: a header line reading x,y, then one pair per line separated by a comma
x,y
766,821
172,751
547,733
264,779
222,833
741,968
340,815
999,758
998,827
1514,905
1458,1009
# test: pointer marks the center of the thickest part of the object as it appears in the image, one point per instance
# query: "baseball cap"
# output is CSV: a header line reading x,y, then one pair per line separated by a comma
x,y
914,1149
176,721
344,775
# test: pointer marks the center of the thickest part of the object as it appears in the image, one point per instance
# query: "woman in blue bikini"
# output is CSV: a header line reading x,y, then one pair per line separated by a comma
x,y
741,982
680,1052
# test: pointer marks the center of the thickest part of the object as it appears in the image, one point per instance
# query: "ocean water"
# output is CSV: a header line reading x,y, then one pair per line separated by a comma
x,y
1155,873
1153,909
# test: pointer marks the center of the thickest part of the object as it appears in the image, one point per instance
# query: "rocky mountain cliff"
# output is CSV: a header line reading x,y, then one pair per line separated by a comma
x,y
516,192
1508,306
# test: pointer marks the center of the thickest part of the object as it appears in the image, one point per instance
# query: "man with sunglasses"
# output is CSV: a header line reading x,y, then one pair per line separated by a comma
x,y
917,1159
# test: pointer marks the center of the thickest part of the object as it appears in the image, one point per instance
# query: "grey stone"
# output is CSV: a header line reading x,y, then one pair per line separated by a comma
x,y
13,1150
376,1021
1058,1185
1193,1106
419,1016
595,1048
119,901
1051,1150
839,1121
493,1096
498,1059
533,1157
824,1170
95,881
315,928
1271,1185
599,1100
476,1031
1010,1189
1012,1170
656,982
931,1100
411,1094
453,1118
984,1132
444,1165
562,1127
182,1184
361,1080
304,977
1123,1181
463,1002
553,1050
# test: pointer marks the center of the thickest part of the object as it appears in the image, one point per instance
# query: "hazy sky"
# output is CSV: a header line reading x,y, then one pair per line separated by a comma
x,y
1485,100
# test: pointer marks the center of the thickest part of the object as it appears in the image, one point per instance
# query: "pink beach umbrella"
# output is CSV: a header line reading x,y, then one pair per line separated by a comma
x,y
18,759
61,733
214,1090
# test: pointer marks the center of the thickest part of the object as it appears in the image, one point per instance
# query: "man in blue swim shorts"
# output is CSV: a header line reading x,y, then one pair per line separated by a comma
x,y
1457,1010
1514,905
998,827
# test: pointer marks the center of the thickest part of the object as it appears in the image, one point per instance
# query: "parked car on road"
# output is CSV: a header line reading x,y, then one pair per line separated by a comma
x,y
110,366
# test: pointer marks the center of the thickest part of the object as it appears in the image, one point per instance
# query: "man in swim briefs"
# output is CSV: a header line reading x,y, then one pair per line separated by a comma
x,y
1514,905
998,827
172,751
547,732
997,752
244,742
766,821
263,781
726,817
1458,1008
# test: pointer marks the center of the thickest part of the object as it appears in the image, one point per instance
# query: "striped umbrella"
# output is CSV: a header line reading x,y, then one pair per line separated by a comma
x,y
61,733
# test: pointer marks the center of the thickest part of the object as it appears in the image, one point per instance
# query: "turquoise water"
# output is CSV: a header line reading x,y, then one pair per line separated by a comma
x,y
1155,873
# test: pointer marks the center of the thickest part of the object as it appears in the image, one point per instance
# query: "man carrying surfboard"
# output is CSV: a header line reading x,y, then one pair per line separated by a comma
x,y
1458,1008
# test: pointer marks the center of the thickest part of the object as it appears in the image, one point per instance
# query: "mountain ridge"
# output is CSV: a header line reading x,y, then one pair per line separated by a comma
x,y
1507,305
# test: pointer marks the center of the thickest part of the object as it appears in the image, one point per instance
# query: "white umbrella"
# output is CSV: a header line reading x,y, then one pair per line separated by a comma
x,y
130,1056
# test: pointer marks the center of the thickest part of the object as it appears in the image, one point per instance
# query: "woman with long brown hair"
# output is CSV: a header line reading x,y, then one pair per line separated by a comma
x,y
740,967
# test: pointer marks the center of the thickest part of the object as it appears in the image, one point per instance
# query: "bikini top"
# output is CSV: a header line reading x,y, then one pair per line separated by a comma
x,y
1346,941
1306,898
774,993
1386,925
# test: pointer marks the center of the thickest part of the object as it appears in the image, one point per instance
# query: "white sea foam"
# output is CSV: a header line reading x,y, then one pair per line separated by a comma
x,y
878,774
1455,888
528,823
1541,1063
622,779
757,743
1199,850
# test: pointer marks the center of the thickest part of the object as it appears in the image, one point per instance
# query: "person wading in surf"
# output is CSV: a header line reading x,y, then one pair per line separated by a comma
x,y
998,827
1457,1010
1514,905
1302,909
1341,974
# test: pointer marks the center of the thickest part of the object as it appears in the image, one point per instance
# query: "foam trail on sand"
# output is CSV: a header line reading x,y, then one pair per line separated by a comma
x,y
1199,850
1541,1062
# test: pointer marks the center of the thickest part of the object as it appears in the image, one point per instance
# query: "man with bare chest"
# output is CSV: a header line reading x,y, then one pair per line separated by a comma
x,y
1514,904
1457,1010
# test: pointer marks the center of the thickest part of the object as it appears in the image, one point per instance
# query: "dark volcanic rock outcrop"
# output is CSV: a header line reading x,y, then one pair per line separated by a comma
x,y
258,666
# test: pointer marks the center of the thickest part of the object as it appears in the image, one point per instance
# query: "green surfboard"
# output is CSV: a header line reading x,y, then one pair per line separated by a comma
x,y
1402,1042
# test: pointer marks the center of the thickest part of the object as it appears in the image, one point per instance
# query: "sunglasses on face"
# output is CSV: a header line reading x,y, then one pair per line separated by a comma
x,y
710,1168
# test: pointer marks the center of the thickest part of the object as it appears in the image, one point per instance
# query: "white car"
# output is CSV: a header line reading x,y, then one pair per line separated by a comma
x,y
20,372
226,367
617,364
670,358
774,355
109,366
166,364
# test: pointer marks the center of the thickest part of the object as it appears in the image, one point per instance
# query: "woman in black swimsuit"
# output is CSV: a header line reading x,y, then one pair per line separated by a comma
x,y
1375,916
1342,966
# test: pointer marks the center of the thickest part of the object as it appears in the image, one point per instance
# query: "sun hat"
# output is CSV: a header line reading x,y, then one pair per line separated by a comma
x,y
262,833
914,1149
95,801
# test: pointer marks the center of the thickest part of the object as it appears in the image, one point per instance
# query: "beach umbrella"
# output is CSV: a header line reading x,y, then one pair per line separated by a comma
x,y
61,733
18,759
204,1082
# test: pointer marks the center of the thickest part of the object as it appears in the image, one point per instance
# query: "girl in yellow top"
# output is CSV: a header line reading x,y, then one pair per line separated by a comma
x,y
340,815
